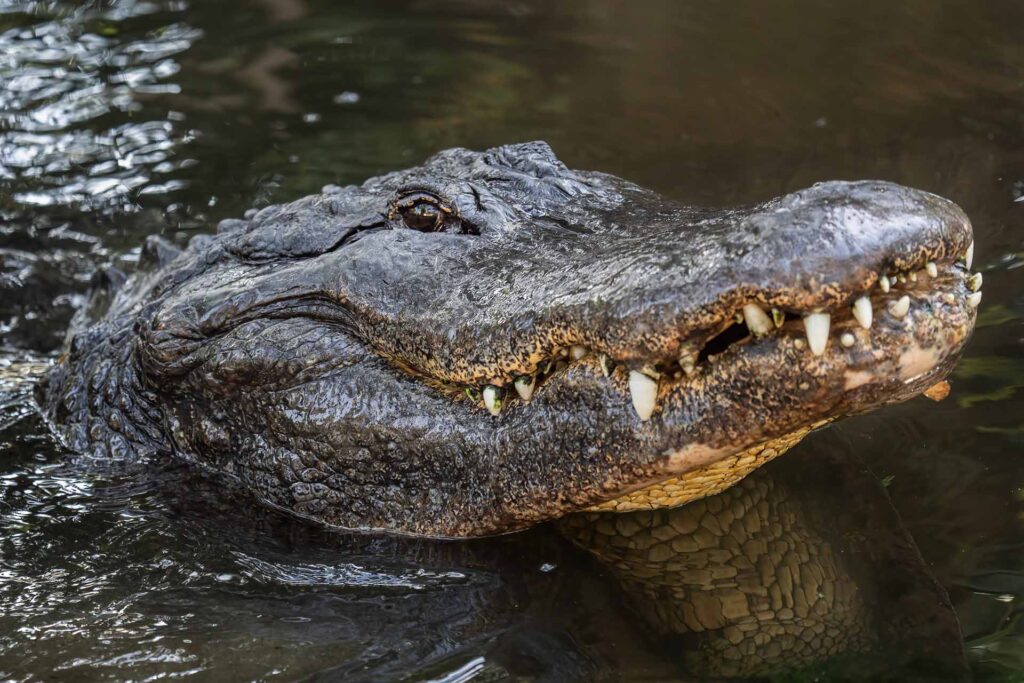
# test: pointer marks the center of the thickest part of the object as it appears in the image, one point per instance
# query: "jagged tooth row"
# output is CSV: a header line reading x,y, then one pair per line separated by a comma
x,y
643,383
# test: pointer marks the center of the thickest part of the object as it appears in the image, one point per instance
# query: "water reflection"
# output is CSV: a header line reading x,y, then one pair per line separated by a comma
x,y
69,82
802,567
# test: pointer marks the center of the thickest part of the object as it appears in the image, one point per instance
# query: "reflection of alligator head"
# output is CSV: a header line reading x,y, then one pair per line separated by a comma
x,y
802,566
491,340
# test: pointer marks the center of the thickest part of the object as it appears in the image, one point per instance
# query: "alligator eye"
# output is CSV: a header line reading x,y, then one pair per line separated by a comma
x,y
423,216
421,211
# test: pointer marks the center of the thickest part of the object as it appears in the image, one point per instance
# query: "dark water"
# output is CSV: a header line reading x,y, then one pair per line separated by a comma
x,y
124,119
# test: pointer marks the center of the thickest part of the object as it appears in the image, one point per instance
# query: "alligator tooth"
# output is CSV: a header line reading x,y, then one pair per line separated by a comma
x,y
816,325
576,351
974,282
884,284
901,278
757,320
738,317
688,355
644,392
847,339
900,307
931,269
862,312
650,372
492,399
524,386
974,299
562,352
605,367
912,276
969,255
778,317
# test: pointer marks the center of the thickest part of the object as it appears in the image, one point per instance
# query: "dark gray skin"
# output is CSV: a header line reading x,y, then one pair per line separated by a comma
x,y
321,351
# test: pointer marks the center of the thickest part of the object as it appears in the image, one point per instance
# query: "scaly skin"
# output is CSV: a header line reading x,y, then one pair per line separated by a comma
x,y
351,357
803,565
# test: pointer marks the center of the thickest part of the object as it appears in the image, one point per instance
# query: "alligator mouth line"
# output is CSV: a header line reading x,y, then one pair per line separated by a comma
x,y
890,299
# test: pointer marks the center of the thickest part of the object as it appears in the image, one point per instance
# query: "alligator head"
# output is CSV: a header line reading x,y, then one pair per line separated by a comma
x,y
491,340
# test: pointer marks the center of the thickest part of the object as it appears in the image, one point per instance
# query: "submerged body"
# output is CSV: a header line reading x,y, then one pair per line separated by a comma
x,y
492,340
802,567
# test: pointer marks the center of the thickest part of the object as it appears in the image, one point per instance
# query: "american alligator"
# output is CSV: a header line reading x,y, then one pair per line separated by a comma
x,y
492,340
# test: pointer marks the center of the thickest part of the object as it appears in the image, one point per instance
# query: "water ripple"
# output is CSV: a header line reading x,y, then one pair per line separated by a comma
x,y
62,79
344,574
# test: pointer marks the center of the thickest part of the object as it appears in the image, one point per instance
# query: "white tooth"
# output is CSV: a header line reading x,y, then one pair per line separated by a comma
x,y
884,284
913,277
492,401
778,317
576,351
644,392
862,312
974,282
969,255
900,307
847,339
650,372
974,299
931,269
901,278
603,360
816,325
738,318
757,320
524,386
688,354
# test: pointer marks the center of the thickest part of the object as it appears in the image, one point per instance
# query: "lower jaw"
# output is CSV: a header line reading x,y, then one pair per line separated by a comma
x,y
892,362
706,480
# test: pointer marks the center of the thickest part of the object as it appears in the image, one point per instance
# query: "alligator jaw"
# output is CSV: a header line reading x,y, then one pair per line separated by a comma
x,y
736,399
852,335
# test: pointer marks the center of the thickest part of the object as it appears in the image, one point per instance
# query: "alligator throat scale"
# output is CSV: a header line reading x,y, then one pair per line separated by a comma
x,y
492,340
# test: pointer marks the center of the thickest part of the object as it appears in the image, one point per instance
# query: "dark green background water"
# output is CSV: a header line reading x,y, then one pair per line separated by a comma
x,y
123,119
